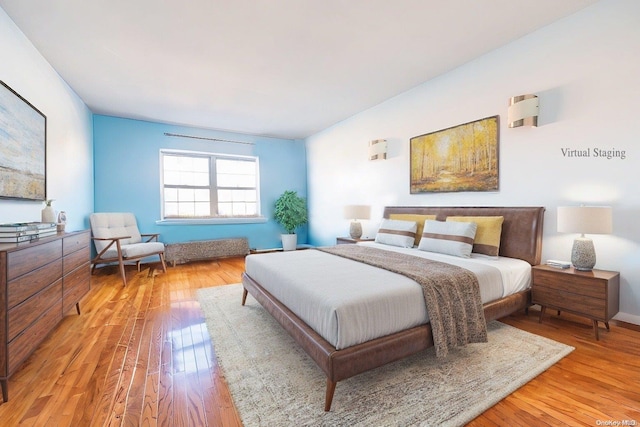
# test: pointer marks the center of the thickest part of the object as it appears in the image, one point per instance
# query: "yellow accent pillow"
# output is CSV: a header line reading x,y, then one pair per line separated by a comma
x,y
419,219
487,239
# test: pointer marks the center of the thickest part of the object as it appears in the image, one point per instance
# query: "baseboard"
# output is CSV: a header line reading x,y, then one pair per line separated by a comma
x,y
628,318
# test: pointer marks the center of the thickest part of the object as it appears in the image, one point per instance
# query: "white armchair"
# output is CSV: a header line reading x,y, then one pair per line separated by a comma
x,y
117,239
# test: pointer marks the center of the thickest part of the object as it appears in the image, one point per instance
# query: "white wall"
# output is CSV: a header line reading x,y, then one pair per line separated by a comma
x,y
69,130
585,70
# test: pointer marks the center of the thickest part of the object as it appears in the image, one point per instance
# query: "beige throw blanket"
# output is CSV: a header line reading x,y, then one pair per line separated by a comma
x,y
451,293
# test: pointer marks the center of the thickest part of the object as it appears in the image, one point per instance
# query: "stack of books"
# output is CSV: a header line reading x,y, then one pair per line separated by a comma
x,y
558,264
18,232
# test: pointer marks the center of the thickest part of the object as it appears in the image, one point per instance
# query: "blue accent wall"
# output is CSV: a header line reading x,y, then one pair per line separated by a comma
x,y
127,176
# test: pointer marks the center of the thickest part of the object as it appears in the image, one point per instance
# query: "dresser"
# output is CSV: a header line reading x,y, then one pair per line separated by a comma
x,y
40,282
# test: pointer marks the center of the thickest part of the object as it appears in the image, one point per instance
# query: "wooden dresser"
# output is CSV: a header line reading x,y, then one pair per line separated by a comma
x,y
39,282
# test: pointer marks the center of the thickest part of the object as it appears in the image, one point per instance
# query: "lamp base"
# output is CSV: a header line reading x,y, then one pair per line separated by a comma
x,y
583,254
355,230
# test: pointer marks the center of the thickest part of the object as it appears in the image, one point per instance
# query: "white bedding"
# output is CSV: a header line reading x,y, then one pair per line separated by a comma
x,y
348,302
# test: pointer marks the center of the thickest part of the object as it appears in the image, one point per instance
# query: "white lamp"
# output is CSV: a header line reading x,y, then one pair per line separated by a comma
x,y
523,111
354,213
584,220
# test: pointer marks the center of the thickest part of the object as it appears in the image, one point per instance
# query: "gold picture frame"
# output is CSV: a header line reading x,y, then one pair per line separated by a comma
x,y
460,158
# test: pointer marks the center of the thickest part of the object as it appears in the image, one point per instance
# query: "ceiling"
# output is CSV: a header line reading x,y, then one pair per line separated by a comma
x,y
280,68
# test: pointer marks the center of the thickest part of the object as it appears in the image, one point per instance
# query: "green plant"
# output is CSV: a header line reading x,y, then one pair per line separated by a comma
x,y
291,211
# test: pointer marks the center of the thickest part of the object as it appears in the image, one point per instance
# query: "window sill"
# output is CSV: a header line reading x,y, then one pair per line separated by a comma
x,y
213,221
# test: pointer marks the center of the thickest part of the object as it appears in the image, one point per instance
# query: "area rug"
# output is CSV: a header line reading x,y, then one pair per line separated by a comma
x,y
274,383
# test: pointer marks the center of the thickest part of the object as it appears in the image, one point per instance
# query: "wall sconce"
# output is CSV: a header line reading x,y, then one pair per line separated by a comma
x,y
378,149
584,219
523,111
354,213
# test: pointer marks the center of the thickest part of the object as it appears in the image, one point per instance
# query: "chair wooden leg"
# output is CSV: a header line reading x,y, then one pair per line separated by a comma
x,y
122,274
121,264
164,266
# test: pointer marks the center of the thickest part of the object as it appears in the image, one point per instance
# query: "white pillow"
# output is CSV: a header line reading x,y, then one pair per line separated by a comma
x,y
451,238
397,233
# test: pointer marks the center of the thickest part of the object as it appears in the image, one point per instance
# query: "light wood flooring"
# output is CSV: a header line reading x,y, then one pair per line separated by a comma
x,y
141,355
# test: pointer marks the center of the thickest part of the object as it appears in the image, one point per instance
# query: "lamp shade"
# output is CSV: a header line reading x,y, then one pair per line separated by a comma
x,y
585,219
357,212
523,111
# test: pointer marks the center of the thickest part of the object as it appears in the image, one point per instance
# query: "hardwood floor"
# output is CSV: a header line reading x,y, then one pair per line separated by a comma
x,y
141,355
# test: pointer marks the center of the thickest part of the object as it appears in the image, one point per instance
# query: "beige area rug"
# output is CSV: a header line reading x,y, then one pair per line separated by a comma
x,y
274,383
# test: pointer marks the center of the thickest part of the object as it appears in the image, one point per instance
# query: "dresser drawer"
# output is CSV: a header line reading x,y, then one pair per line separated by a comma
x,y
31,258
24,344
566,301
75,242
574,283
31,283
75,260
22,315
75,285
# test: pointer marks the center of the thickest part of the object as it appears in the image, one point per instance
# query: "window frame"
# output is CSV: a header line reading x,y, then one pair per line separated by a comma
x,y
213,189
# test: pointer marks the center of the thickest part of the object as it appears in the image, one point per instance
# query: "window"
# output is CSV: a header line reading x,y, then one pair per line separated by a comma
x,y
205,185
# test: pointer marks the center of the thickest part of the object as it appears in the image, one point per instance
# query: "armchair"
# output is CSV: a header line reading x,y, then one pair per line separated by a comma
x,y
118,240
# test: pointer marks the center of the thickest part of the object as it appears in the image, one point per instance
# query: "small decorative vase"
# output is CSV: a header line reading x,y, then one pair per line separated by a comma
x,y
48,214
62,221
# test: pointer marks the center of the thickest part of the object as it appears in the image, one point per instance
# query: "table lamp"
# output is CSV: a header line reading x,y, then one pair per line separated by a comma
x,y
354,213
584,220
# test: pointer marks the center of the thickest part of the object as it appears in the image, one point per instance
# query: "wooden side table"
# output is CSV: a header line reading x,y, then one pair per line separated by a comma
x,y
594,294
352,241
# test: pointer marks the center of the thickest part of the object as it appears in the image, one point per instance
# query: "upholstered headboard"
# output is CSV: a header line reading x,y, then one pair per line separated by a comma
x,y
521,230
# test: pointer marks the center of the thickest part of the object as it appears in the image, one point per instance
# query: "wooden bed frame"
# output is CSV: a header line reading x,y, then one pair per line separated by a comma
x,y
521,238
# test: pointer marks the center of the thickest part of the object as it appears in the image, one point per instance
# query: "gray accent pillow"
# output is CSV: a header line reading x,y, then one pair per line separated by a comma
x,y
396,232
451,238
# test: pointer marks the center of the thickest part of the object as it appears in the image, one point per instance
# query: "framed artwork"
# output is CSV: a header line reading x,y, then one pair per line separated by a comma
x,y
23,147
460,158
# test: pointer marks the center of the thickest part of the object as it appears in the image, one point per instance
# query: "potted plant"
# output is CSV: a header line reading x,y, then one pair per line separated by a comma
x,y
291,213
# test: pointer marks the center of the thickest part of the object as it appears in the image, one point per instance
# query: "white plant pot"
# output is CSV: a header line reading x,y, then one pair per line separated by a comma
x,y
289,242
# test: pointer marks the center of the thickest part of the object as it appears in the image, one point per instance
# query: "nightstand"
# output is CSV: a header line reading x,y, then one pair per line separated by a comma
x,y
594,294
351,241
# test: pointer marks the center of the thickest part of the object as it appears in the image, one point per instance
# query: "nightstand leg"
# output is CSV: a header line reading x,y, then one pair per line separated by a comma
x,y
542,310
607,325
595,329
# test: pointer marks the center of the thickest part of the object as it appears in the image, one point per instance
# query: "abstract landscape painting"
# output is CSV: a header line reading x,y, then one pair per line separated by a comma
x,y
22,147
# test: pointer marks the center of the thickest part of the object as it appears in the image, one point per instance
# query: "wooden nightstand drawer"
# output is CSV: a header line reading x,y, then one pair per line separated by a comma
x,y
575,283
593,294
567,301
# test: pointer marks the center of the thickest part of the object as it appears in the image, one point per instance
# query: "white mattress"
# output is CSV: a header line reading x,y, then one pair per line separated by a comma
x,y
348,302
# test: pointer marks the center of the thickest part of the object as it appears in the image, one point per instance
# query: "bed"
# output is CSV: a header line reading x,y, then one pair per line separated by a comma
x,y
340,358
